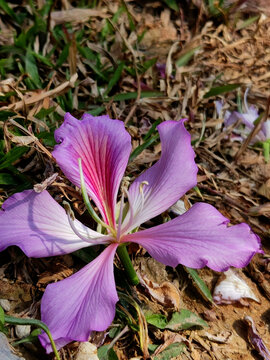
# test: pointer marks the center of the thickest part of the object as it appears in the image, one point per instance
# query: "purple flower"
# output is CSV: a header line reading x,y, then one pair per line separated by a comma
x,y
35,222
247,119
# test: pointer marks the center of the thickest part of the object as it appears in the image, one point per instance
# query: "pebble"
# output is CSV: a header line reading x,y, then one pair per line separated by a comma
x,y
5,304
87,351
22,330
5,351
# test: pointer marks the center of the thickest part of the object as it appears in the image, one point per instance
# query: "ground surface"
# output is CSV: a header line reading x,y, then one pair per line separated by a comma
x,y
141,62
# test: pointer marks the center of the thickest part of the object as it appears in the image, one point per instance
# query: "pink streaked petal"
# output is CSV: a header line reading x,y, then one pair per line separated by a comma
x,y
104,146
170,178
200,237
82,303
39,226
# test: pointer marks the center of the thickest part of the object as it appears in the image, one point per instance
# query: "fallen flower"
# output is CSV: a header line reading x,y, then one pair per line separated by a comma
x,y
255,339
232,288
84,302
247,119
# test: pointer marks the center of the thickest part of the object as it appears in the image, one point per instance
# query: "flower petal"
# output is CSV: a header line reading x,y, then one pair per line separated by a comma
x,y
104,146
197,238
170,178
82,303
39,226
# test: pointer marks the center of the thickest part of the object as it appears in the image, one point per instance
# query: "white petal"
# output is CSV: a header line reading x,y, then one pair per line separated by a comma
x,y
232,289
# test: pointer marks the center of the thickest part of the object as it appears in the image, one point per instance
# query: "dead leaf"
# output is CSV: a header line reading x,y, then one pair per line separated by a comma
x,y
76,15
47,182
154,278
264,190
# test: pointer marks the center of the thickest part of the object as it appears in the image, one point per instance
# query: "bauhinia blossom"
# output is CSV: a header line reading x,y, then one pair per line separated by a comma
x,y
84,302
246,121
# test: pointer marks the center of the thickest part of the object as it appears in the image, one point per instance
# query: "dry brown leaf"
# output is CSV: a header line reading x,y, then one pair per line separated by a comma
x,y
154,278
264,190
56,273
42,95
47,182
76,15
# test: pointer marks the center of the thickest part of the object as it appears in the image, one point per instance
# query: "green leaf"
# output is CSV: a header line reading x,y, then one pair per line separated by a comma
x,y
214,6
3,329
184,59
8,10
47,138
182,320
133,95
114,331
106,353
221,90
87,53
142,68
172,4
63,56
108,28
13,155
152,347
42,59
185,319
158,320
147,65
7,179
143,146
87,255
172,351
31,68
200,284
248,22
115,78
96,70
130,20
32,337
266,150
2,316
44,112
5,114
152,129
96,111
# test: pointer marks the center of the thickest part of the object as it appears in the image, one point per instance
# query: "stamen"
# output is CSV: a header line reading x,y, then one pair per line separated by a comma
x,y
71,219
120,218
142,184
131,211
88,204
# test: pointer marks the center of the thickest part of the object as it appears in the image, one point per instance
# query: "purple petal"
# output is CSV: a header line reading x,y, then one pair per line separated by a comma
x,y
230,118
197,238
84,302
255,339
39,226
219,105
104,147
170,178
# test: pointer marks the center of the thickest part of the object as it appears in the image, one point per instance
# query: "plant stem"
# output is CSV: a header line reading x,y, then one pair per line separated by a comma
x,y
38,323
125,260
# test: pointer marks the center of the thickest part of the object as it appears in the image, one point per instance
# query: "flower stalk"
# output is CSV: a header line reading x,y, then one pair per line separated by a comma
x,y
126,262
